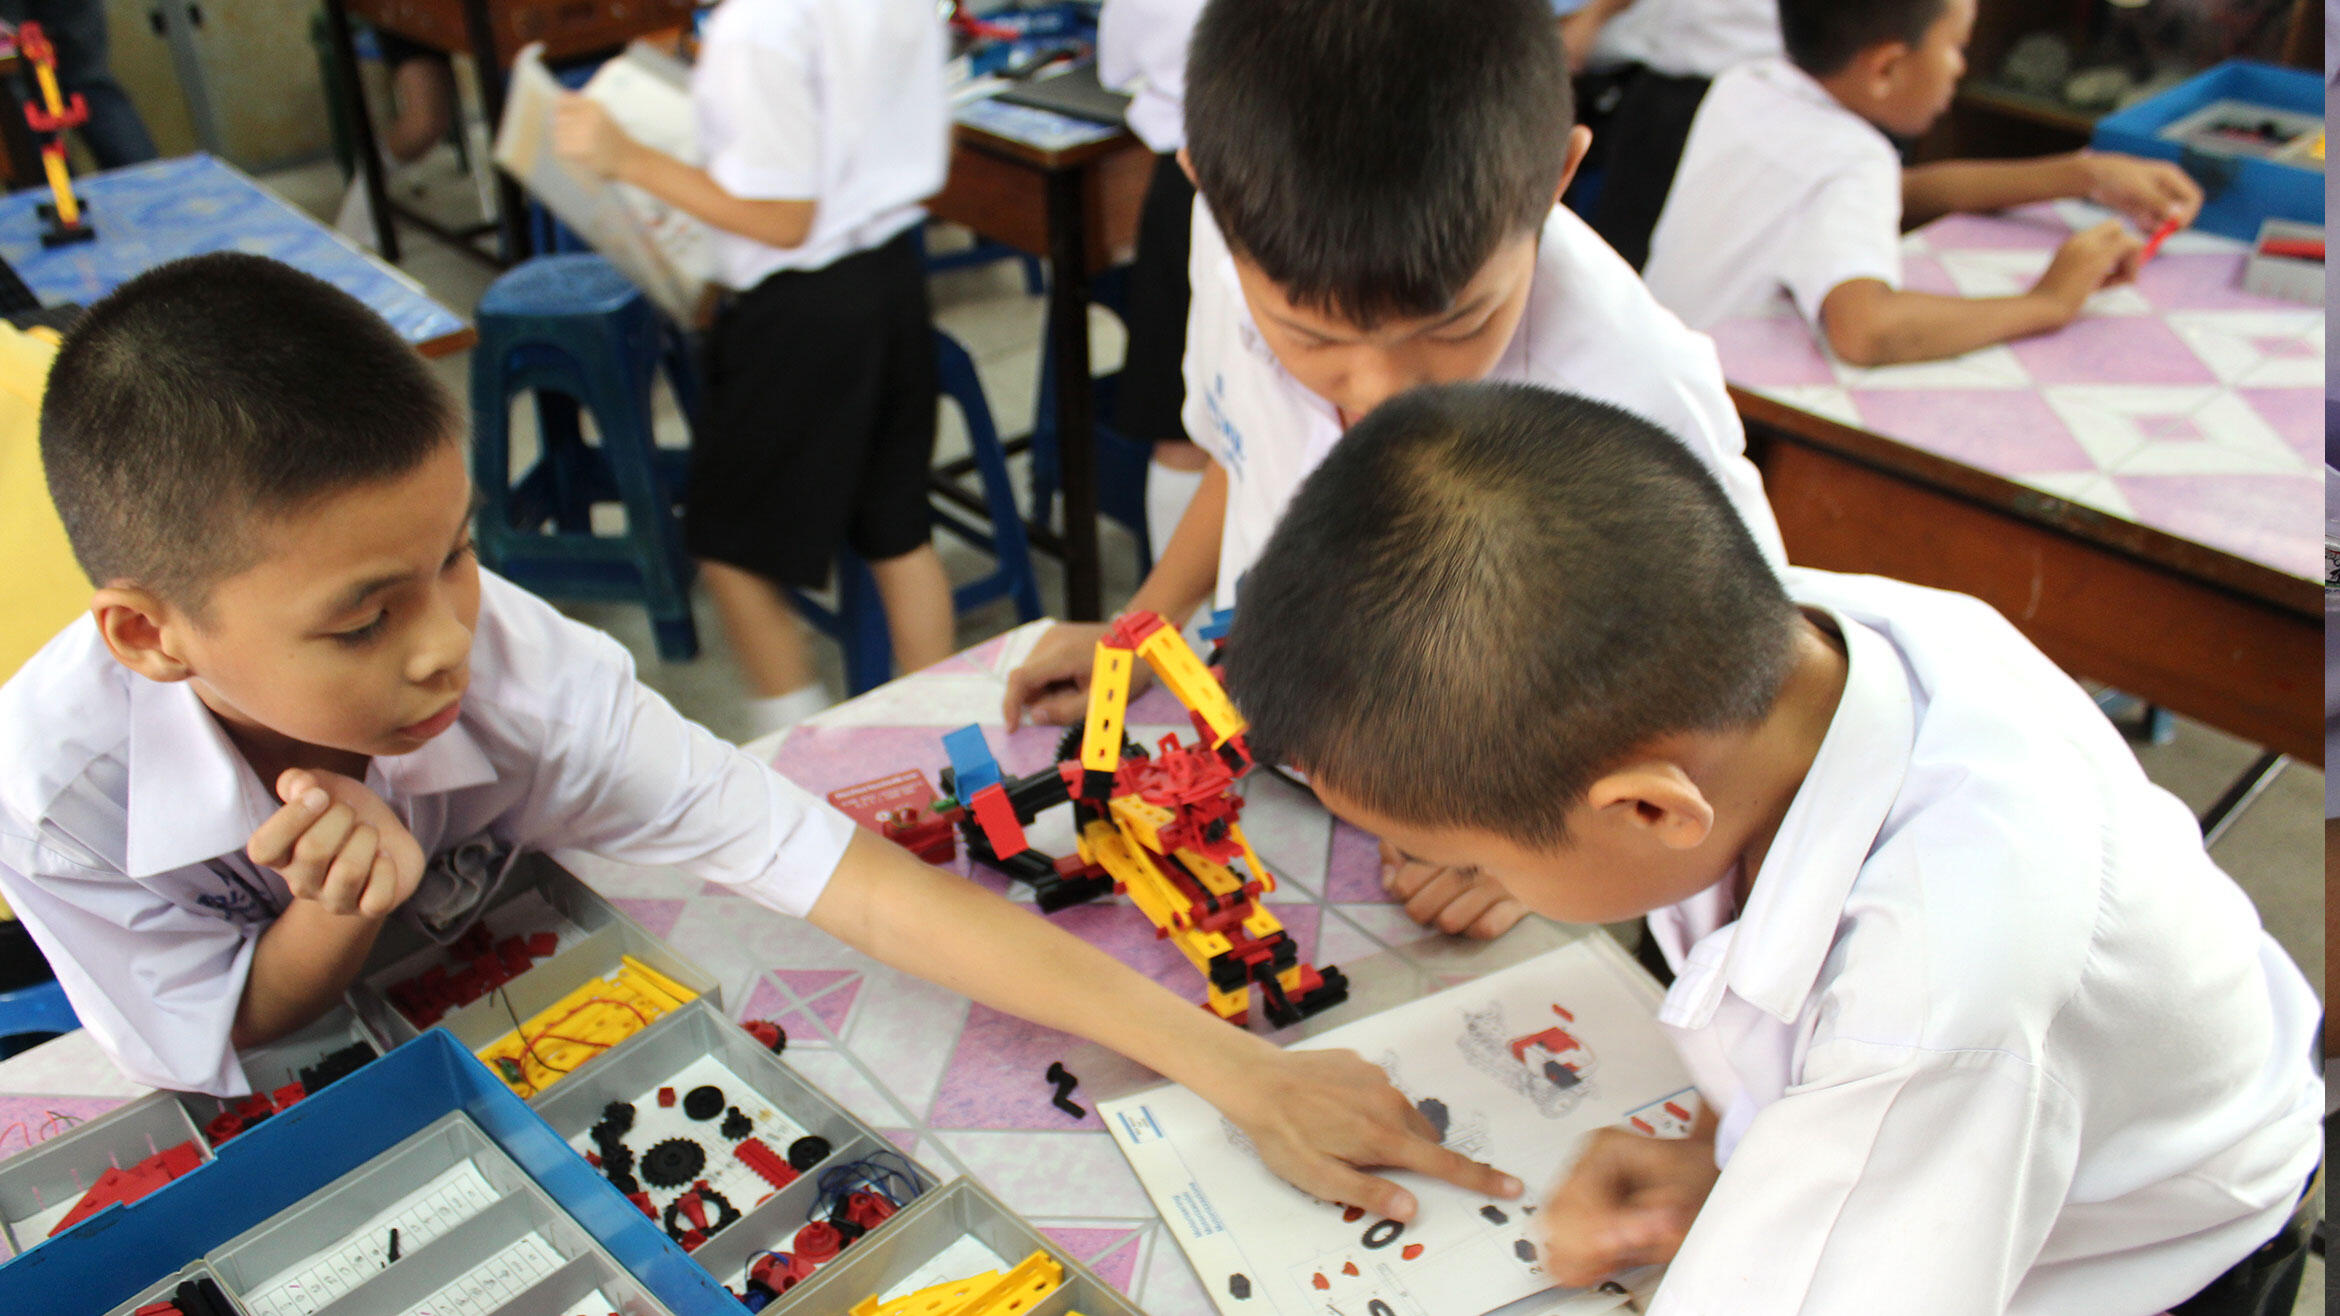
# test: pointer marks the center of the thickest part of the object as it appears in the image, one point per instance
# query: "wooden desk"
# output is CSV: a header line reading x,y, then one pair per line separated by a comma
x,y
1077,205
569,30
2126,492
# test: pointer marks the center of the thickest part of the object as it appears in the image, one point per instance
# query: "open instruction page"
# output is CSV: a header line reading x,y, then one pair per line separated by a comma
x,y
1514,1068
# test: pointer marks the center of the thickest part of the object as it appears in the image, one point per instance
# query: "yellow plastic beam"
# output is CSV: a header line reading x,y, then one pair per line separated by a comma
x,y
1185,676
1018,1291
944,1299
1108,703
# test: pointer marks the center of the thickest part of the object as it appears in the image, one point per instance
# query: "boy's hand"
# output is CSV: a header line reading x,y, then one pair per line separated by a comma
x,y
336,843
1052,686
1318,1119
1468,904
2090,259
2149,192
587,139
1628,1202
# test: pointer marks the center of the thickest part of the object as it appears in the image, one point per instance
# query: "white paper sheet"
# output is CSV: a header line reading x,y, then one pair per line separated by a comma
x,y
1521,1065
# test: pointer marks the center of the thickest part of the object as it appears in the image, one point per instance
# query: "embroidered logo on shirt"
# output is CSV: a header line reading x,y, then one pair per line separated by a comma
x,y
1230,438
237,899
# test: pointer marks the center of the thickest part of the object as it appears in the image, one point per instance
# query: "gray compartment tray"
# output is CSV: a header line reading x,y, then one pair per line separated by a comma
x,y
35,1184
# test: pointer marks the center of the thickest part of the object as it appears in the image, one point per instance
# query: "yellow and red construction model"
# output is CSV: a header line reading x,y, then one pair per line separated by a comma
x,y
51,117
1162,830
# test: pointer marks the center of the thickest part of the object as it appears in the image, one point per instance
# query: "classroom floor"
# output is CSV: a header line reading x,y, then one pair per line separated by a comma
x,y
2274,849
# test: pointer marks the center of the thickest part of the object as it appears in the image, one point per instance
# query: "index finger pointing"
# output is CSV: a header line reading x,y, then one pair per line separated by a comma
x,y
1427,1157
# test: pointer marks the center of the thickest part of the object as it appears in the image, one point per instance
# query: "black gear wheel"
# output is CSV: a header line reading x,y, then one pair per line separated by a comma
x,y
674,1162
724,1214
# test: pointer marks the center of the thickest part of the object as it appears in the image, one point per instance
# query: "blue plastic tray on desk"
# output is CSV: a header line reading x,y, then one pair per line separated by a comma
x,y
121,1251
2240,191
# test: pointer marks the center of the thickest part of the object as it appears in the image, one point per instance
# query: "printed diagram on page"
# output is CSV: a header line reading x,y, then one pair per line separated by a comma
x,y
1513,1069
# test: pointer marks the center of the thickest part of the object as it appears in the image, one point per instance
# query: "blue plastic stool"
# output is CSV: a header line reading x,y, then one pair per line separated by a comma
x,y
572,330
1122,462
985,252
858,622
29,1014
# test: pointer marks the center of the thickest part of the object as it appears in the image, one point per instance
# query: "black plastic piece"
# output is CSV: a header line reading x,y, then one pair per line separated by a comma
x,y
736,1125
1240,1286
807,1152
703,1103
674,1162
1494,1215
1383,1233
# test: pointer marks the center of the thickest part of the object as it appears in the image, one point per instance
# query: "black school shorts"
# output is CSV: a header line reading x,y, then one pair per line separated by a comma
x,y
1153,380
820,419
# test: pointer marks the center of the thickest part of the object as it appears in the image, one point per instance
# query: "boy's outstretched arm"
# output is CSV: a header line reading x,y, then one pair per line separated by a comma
x,y
1052,685
1870,323
1318,1118
2148,192
586,138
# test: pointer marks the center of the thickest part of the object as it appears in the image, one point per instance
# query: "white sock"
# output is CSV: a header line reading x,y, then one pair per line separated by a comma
x,y
1168,491
781,712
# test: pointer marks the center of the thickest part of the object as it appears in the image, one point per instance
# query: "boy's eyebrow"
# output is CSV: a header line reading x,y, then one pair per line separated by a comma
x,y
1461,312
356,595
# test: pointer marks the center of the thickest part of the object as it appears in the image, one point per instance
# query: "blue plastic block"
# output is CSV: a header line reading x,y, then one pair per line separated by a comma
x,y
2240,192
972,765
121,1251
1222,621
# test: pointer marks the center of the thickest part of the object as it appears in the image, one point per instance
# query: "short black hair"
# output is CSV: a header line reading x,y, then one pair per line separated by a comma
x,y
1822,36
214,388
1491,594
1370,155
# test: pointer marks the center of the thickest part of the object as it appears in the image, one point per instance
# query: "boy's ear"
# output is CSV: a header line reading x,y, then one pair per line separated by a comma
x,y
141,631
1876,68
1579,142
1657,798
1186,165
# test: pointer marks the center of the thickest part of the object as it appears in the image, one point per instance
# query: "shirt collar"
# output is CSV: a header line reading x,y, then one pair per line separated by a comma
x,y
193,798
1772,955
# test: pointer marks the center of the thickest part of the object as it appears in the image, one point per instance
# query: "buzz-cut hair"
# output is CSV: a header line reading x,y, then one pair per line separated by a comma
x,y
1822,36
214,392
1490,595
1370,156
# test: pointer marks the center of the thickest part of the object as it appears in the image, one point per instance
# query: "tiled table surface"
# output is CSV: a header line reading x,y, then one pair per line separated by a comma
x,y
2180,402
960,1086
163,210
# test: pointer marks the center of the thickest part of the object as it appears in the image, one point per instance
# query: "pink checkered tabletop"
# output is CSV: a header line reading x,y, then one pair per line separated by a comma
x,y
961,1087
2181,402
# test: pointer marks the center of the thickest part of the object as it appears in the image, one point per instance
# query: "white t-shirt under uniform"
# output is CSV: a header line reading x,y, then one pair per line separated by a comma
x,y
1781,191
839,102
1141,49
1688,38
124,811
1993,1033
1590,328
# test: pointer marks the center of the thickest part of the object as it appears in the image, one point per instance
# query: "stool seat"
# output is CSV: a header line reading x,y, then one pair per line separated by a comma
x,y
577,335
576,284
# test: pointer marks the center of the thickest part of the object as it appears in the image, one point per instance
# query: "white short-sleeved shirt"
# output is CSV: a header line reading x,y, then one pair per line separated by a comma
x,y
1781,190
1141,49
1993,1033
1688,38
124,811
839,102
1590,328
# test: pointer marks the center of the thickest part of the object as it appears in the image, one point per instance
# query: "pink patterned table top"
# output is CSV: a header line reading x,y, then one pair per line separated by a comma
x,y
961,1087
2181,402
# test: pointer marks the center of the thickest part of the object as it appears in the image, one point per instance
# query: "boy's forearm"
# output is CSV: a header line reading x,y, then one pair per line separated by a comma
x,y
695,192
1948,187
1187,573
957,935
1888,326
304,962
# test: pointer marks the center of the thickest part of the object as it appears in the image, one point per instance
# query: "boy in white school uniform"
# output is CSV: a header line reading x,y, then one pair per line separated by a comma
x,y
1647,65
1141,49
1789,186
1979,1026
1350,245
825,125
295,693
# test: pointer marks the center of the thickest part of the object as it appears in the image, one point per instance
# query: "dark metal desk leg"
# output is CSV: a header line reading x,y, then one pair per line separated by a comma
x,y
1076,429
2255,779
511,203
369,157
